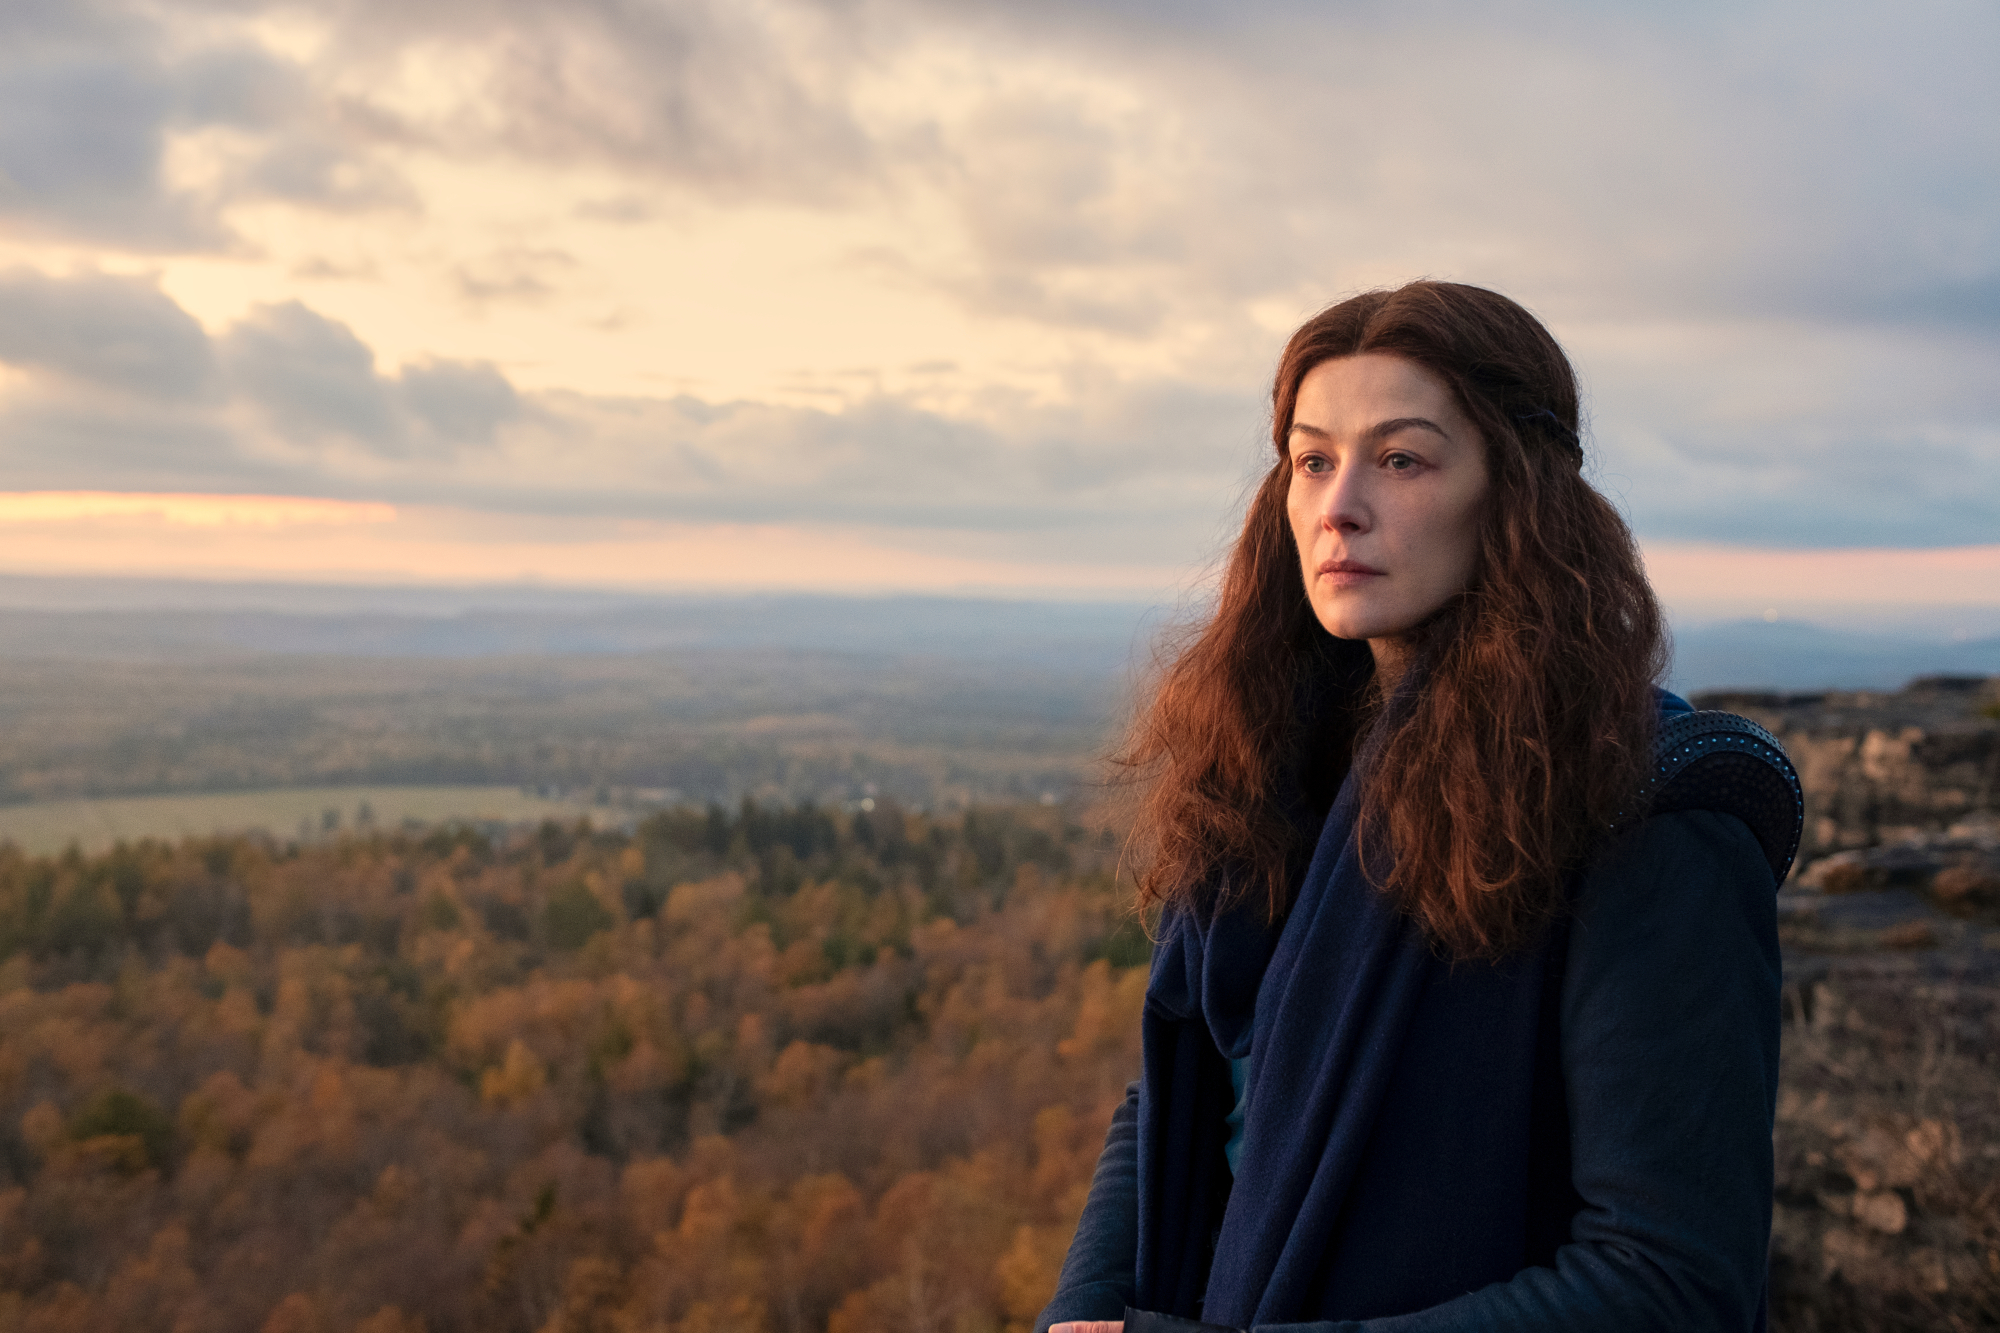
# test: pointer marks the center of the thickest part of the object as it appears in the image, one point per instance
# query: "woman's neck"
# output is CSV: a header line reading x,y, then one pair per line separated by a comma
x,y
1392,659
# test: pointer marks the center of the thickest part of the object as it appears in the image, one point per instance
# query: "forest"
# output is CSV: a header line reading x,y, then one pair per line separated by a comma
x,y
701,724
762,1069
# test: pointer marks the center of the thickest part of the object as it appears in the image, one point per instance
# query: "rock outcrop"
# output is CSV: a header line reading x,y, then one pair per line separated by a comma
x,y
1887,1141
1900,787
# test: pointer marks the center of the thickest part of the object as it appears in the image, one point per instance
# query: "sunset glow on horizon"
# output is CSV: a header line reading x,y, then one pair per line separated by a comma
x,y
185,510
253,537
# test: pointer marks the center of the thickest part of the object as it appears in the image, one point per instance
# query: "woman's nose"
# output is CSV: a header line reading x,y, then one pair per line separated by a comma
x,y
1346,508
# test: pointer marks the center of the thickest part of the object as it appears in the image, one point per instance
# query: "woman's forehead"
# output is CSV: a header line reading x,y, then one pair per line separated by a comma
x,y
1354,394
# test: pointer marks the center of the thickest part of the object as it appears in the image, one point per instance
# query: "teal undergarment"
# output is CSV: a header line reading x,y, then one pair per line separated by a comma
x,y
1239,1077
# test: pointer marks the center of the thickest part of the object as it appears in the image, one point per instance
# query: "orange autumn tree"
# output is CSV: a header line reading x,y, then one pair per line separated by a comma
x,y
761,1070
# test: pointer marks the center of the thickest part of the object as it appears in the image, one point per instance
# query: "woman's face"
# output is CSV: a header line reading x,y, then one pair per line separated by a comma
x,y
1388,478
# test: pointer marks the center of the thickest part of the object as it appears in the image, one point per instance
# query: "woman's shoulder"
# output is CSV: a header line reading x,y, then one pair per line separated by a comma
x,y
1678,850
1722,764
1713,831
1676,905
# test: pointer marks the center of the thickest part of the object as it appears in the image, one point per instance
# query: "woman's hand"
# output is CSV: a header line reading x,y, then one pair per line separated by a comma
x,y
1089,1326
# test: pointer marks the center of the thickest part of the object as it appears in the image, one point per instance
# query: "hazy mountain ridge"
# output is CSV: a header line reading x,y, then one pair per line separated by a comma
x,y
134,688
1795,655
1102,636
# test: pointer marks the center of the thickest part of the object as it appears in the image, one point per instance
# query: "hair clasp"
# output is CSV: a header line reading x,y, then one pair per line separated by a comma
x,y
1562,432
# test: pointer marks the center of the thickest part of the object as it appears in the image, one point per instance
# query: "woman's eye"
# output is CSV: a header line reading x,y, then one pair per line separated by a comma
x,y
1312,463
1399,462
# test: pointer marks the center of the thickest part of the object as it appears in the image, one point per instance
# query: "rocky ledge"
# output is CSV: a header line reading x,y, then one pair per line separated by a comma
x,y
1888,1135
1883,770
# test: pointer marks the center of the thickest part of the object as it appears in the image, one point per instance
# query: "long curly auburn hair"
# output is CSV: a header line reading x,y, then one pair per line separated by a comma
x,y
1520,730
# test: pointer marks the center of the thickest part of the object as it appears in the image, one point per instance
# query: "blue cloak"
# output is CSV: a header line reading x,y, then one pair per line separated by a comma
x,y
1409,1145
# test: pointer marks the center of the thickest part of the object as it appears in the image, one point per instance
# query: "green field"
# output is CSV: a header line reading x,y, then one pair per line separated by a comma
x,y
45,827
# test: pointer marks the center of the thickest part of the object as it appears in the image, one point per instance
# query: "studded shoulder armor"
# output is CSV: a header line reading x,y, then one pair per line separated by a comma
x,y
1728,764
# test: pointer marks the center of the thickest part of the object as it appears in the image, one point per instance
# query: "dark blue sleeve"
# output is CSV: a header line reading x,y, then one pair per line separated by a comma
x,y
1670,1056
1096,1281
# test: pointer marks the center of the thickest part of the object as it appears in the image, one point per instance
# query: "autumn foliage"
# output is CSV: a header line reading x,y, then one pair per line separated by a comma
x,y
744,1071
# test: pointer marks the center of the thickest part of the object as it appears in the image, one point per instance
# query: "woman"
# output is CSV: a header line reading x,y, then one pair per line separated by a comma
x,y
1464,1012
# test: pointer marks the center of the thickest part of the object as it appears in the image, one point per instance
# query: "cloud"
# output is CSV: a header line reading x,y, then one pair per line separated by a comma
x,y
516,274
1811,487
312,376
82,144
1115,168
309,166
104,332
121,383
883,462
115,385
1971,304
745,101
51,442
115,131
624,208
1821,162
1783,432
243,87
460,401
315,383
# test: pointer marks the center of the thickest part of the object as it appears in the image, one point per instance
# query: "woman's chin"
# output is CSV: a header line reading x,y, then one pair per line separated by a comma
x,y
1347,623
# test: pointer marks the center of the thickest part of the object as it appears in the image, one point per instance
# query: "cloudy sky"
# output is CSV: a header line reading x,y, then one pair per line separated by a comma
x,y
935,294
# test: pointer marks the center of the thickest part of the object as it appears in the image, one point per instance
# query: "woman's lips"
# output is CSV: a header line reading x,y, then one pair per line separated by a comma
x,y
1347,573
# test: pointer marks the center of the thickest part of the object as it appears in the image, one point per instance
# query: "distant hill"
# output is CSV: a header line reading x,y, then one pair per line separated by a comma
x,y
127,687
1795,655
1068,635
141,620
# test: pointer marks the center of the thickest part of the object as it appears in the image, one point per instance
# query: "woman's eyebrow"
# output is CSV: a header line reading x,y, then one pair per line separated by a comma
x,y
1381,430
